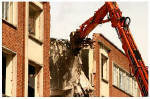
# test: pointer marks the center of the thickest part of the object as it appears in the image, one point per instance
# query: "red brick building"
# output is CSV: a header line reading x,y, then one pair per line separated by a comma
x,y
111,72
25,48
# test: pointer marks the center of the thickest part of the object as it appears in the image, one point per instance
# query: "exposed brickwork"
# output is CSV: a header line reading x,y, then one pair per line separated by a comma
x,y
115,55
96,48
46,46
13,38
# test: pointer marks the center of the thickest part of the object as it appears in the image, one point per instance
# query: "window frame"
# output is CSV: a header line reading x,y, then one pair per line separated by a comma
x,y
39,22
30,66
103,50
12,13
106,67
38,74
11,67
127,83
116,68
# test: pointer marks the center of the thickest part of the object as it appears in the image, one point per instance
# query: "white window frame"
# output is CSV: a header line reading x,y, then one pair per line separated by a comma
x,y
104,67
104,52
115,75
12,13
11,72
39,21
120,79
38,78
134,88
128,82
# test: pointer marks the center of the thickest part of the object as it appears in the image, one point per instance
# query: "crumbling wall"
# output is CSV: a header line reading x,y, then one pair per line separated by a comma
x,y
66,70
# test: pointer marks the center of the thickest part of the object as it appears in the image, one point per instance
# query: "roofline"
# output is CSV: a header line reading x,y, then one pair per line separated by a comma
x,y
111,43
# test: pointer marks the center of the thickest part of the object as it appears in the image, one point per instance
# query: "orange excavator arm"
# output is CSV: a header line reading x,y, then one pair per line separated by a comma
x,y
121,24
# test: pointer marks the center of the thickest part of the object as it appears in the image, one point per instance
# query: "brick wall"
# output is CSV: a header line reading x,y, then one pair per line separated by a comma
x,y
115,55
46,46
96,53
13,38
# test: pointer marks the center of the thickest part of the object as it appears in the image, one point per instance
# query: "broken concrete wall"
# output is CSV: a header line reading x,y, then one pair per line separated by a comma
x,y
67,76
85,61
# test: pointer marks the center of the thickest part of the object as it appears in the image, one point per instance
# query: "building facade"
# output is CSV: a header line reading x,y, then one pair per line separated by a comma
x,y
109,70
99,70
25,49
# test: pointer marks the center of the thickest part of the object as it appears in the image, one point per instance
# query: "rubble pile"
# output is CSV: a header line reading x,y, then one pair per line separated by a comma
x,y
67,77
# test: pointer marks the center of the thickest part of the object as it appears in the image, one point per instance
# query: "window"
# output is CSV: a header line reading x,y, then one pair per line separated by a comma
x,y
128,83
9,12
35,23
123,81
3,73
134,88
9,64
5,8
104,67
115,75
35,79
31,81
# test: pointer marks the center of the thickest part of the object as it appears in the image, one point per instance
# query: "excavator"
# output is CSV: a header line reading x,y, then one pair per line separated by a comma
x,y
121,25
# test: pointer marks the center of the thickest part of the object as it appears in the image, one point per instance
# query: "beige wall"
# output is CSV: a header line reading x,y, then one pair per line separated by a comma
x,y
26,50
35,52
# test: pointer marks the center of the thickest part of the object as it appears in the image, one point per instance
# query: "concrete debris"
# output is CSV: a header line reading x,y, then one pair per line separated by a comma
x,y
66,71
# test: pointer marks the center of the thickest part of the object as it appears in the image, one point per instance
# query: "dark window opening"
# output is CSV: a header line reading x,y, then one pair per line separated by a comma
x,y
31,81
3,73
85,61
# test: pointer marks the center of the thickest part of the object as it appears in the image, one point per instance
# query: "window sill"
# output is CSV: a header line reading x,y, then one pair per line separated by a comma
x,y
122,90
9,23
106,81
4,95
35,39
32,62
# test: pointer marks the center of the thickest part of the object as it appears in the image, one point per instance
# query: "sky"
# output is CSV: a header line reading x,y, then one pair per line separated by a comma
x,y
68,16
